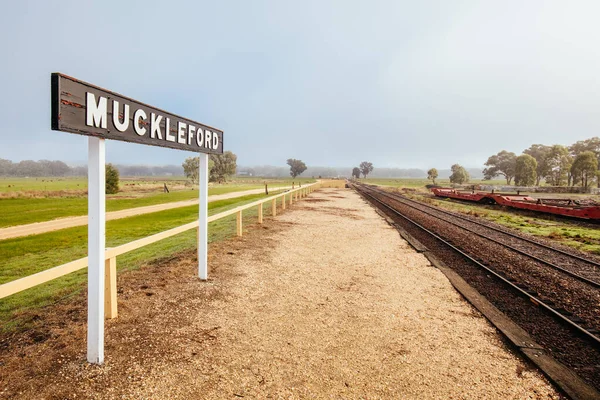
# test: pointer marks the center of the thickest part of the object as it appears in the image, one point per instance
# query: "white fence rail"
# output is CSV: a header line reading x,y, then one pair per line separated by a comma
x,y
21,284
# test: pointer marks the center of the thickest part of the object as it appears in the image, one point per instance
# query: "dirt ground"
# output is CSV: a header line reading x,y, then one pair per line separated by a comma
x,y
326,302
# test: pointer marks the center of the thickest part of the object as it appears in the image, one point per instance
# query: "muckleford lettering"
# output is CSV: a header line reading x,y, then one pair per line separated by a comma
x,y
79,107
95,112
191,131
155,126
168,135
181,132
139,118
121,126
200,137
207,137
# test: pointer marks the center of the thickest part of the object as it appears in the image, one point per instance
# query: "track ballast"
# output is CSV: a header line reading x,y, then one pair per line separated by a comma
x,y
550,292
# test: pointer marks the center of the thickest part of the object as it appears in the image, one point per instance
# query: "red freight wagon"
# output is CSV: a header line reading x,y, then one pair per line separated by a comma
x,y
566,207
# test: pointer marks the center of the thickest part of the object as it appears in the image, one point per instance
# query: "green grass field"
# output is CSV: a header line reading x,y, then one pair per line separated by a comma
x,y
44,185
26,210
28,255
8,185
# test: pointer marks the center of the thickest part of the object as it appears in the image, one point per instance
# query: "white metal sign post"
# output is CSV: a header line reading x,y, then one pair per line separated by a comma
x,y
203,217
81,108
96,248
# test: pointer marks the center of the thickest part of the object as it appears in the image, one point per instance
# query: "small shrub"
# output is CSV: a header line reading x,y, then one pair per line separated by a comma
x,y
112,179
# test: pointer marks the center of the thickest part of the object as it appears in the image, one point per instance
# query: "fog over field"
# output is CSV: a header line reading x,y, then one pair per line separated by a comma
x,y
402,84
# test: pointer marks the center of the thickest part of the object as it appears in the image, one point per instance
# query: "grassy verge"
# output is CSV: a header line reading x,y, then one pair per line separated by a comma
x,y
18,211
25,256
581,236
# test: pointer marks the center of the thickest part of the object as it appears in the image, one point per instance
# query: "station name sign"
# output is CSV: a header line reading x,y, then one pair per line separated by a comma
x,y
85,109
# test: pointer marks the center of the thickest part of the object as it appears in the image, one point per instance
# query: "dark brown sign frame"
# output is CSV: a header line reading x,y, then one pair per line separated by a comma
x,y
82,108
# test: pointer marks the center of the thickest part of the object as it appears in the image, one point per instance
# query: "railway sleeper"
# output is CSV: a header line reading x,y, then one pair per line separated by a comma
x,y
564,312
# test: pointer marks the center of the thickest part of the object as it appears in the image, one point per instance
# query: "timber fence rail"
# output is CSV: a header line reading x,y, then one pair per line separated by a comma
x,y
110,306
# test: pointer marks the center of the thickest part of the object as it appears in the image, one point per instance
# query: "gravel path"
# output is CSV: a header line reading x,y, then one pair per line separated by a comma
x,y
326,302
62,223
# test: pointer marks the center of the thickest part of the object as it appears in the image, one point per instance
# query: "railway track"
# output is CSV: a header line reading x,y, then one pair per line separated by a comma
x,y
557,305
580,268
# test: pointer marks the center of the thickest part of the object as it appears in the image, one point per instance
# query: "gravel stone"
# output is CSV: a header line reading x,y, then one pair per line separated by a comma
x,y
327,301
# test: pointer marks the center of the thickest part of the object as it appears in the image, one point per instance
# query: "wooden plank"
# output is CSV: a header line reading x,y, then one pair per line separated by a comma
x,y
18,285
260,213
110,288
567,380
239,223
136,244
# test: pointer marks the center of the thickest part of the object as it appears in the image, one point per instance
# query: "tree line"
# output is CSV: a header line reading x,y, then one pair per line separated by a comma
x,y
39,168
48,168
222,166
459,174
558,165
365,168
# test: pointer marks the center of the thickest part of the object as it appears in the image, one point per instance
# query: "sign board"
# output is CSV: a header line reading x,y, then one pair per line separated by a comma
x,y
85,109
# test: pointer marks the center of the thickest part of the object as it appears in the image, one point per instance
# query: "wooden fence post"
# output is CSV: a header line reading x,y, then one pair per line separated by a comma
x,y
239,223
274,206
110,288
291,198
283,203
260,213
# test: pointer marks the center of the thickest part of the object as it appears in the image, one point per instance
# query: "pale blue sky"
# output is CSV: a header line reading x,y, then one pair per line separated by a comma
x,y
399,83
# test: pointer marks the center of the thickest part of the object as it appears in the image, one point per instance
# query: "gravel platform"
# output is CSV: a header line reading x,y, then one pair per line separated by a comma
x,y
328,302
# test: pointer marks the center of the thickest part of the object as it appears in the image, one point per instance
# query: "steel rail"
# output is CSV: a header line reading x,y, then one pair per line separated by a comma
x,y
597,264
535,300
401,199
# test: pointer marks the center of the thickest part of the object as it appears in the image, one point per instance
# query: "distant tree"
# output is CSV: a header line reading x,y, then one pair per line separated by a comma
x,y
356,172
525,170
29,168
540,152
459,174
432,174
366,168
53,168
79,171
224,166
112,179
592,144
191,166
6,167
502,163
297,167
584,168
559,165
